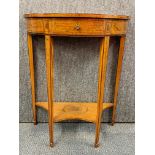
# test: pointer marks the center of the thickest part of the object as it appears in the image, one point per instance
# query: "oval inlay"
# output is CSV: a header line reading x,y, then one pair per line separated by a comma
x,y
74,109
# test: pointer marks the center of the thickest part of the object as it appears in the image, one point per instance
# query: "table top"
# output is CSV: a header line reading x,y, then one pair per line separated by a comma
x,y
79,15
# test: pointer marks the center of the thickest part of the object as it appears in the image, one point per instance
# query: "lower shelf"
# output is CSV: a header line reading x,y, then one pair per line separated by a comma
x,y
74,110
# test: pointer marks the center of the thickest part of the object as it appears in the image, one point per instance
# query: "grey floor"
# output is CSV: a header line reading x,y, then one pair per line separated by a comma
x,y
77,139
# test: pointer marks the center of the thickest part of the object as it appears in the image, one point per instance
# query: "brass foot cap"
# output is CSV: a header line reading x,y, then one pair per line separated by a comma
x,y
51,144
97,145
35,123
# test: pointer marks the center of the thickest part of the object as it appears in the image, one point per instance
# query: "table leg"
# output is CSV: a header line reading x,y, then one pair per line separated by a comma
x,y
104,46
118,74
50,77
31,64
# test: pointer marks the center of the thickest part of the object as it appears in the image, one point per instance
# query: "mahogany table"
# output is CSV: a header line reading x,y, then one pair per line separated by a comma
x,y
76,25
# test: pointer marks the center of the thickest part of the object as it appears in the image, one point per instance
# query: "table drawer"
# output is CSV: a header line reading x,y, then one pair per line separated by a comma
x,y
72,26
77,26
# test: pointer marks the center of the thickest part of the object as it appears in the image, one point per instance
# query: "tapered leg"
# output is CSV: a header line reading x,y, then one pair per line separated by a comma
x,y
118,74
50,77
31,64
104,46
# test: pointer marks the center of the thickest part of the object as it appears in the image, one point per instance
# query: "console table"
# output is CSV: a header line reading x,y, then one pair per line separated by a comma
x,y
76,25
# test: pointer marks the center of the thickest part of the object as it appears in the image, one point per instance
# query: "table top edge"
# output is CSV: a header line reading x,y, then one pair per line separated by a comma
x,y
74,15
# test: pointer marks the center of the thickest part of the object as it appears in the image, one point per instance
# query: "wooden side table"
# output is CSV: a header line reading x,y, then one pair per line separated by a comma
x,y
76,25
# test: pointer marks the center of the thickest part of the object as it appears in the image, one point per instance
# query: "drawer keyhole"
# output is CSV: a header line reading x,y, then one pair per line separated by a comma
x,y
77,27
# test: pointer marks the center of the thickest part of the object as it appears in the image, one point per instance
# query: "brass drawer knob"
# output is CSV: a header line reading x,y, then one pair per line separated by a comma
x,y
77,27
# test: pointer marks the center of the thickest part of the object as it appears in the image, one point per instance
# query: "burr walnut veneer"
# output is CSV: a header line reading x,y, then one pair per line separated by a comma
x,y
76,25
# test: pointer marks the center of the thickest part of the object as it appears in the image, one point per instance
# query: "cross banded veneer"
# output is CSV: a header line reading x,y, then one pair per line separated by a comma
x,y
76,25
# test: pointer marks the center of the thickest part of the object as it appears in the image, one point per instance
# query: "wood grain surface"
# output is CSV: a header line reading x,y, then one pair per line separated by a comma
x,y
76,25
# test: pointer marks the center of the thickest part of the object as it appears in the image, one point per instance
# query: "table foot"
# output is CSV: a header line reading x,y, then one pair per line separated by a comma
x,y
97,145
51,144
35,123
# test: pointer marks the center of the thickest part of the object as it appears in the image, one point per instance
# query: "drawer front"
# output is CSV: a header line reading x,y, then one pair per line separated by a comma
x,y
76,26
61,26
